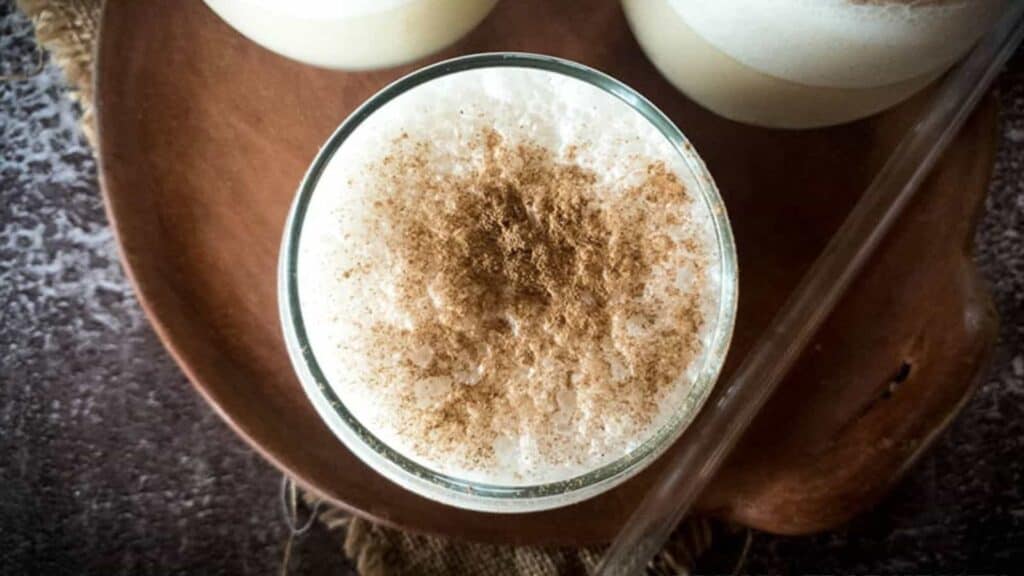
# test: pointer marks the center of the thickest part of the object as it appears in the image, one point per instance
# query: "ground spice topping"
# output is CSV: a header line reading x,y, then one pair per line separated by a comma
x,y
540,301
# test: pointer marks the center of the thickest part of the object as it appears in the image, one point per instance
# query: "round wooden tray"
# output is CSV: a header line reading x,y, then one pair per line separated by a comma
x,y
204,137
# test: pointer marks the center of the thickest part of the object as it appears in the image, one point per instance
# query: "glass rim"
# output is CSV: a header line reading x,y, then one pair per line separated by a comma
x,y
439,486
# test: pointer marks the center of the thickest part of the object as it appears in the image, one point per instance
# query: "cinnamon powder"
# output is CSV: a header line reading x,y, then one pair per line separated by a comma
x,y
524,280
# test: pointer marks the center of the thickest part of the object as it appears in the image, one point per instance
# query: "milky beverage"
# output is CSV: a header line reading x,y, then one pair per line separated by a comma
x,y
353,34
804,63
509,276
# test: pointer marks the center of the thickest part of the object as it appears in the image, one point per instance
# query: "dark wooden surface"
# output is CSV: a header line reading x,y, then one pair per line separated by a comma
x,y
110,463
199,167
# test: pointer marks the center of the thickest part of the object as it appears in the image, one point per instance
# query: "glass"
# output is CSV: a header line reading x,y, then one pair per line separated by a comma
x,y
353,34
804,64
448,489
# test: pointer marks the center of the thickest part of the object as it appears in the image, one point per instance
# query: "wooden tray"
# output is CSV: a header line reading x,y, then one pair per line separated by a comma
x,y
204,137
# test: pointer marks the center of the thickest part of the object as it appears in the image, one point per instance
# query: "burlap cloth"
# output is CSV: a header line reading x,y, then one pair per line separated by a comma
x,y
68,29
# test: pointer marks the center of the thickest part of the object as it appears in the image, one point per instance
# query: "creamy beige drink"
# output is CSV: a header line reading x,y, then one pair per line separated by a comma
x,y
805,63
353,34
512,277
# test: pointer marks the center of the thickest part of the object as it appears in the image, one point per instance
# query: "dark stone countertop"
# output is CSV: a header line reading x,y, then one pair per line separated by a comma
x,y
110,463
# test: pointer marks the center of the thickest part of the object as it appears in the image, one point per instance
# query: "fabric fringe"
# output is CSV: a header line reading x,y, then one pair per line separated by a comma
x,y
379,551
68,30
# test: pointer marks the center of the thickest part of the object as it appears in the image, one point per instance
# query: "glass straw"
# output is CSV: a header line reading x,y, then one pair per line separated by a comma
x,y
721,424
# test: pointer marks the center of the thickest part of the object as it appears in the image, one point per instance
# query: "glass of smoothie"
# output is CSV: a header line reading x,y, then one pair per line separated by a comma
x,y
507,282
353,34
805,63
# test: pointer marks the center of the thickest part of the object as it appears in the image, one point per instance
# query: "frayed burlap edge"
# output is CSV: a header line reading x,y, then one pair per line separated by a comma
x,y
377,551
68,30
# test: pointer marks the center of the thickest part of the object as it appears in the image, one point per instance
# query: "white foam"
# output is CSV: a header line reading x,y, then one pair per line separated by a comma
x,y
553,110
839,43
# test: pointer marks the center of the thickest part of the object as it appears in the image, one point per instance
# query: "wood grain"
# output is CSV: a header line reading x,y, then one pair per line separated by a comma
x,y
204,137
